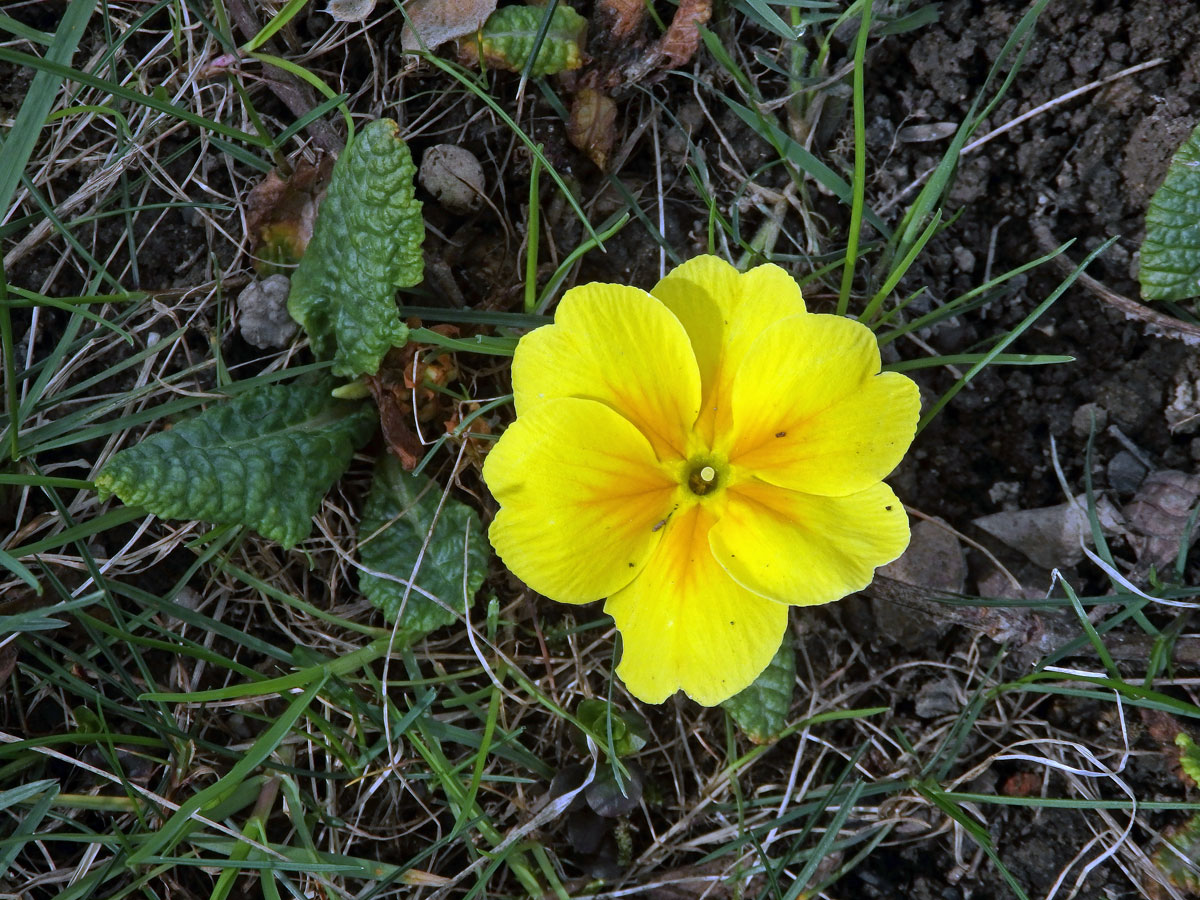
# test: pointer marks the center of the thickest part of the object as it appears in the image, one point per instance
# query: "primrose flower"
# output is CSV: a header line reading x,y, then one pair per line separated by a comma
x,y
704,456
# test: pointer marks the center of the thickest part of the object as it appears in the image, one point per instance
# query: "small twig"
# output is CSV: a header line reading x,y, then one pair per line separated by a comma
x,y
1159,324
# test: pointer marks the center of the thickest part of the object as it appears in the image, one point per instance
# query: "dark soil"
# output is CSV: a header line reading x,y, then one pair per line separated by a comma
x,y
1085,170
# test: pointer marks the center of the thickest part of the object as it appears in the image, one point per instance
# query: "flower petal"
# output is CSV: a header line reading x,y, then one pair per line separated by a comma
x,y
724,311
684,623
616,345
805,549
580,493
811,413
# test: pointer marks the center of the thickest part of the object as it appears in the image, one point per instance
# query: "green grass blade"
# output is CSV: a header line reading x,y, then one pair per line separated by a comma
x,y
22,137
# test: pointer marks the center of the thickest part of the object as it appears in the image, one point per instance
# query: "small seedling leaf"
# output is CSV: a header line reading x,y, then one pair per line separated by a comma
x,y
761,709
396,522
630,733
1170,268
365,244
264,460
509,36
1189,756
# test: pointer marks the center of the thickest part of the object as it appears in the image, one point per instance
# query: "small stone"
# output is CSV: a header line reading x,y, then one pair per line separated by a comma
x,y
1125,472
964,259
938,698
454,177
933,560
263,315
1081,421
1005,493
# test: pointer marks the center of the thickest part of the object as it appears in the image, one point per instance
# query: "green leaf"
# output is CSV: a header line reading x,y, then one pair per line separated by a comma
x,y
630,733
1170,268
395,525
264,459
365,244
509,37
1189,756
761,709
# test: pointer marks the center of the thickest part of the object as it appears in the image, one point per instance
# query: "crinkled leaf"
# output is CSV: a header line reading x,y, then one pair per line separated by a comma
x,y
395,523
1170,267
263,459
365,244
761,709
508,37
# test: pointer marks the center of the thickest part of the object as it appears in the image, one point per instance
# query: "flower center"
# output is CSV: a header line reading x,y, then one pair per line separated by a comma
x,y
702,479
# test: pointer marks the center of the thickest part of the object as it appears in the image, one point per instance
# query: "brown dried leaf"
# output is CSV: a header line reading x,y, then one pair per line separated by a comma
x,y
280,214
679,44
349,10
1158,514
432,23
592,127
1021,784
477,448
620,19
407,376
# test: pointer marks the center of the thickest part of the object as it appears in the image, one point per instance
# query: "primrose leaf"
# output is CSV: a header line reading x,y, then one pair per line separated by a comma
x,y
508,37
1170,268
366,243
395,523
761,709
264,460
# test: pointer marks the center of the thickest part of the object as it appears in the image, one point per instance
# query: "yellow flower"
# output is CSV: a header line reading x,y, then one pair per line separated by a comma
x,y
703,456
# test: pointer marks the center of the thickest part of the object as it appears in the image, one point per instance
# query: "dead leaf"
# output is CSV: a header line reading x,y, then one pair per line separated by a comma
x,y
406,377
280,214
679,44
592,126
1158,514
432,23
1021,784
477,448
349,10
620,19
1050,536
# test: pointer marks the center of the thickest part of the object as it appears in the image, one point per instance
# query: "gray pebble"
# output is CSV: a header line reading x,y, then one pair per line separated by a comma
x,y
1125,472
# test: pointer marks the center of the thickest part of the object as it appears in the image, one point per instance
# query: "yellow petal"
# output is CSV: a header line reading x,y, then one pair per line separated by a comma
x,y
724,312
580,493
619,346
806,549
684,623
811,414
